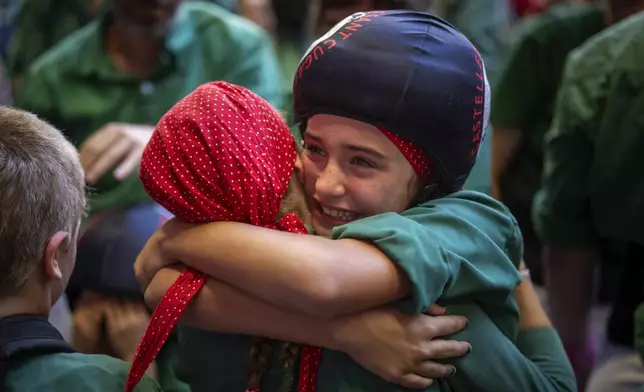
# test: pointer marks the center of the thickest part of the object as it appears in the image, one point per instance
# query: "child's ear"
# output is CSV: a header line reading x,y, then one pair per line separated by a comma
x,y
299,169
59,241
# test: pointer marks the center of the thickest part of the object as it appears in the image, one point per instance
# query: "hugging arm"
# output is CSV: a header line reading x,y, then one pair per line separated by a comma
x,y
304,273
384,341
373,261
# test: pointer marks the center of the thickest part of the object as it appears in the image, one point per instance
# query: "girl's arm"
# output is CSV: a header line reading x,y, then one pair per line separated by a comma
x,y
219,307
374,261
531,314
381,340
305,273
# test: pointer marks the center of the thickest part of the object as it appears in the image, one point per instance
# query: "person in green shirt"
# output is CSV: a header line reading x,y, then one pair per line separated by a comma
x,y
41,24
523,105
110,82
41,178
106,86
393,226
591,192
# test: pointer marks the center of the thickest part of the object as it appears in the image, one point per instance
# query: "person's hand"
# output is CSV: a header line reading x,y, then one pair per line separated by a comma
x,y
115,145
152,259
87,321
126,322
260,12
158,285
402,348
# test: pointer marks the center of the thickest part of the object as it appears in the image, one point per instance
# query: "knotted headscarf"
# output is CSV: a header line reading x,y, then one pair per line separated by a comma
x,y
222,153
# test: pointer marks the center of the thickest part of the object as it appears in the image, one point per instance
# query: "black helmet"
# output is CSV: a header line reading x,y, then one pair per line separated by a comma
x,y
409,72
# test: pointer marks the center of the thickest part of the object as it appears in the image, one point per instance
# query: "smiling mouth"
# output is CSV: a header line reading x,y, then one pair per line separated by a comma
x,y
337,214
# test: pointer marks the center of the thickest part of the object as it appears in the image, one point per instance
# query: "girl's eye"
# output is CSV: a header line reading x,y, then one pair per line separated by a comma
x,y
313,149
363,162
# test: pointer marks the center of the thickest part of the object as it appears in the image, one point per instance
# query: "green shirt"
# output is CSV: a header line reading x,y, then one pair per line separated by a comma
x,y
43,23
525,92
461,251
77,88
592,184
40,25
73,373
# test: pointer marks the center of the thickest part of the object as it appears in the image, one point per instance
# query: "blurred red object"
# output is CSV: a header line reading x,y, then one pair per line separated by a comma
x,y
527,7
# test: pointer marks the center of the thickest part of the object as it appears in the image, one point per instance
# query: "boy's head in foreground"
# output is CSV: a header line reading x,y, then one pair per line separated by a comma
x,y
42,201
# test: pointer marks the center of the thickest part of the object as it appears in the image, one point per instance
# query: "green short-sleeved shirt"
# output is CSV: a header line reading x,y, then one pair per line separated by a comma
x,y
73,373
77,88
592,184
463,250
524,95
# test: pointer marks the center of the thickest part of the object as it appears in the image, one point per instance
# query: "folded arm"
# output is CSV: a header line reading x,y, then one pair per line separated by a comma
x,y
304,273
396,347
372,262
219,307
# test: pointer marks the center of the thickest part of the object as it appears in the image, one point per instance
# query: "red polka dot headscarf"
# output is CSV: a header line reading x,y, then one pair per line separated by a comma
x,y
220,154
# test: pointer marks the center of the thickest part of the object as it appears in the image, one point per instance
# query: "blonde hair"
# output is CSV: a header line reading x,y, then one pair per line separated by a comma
x,y
42,191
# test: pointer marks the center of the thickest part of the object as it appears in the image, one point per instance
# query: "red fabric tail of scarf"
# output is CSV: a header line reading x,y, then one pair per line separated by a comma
x,y
309,365
164,319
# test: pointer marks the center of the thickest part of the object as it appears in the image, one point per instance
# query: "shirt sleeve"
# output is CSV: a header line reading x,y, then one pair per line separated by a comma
x,y
536,362
459,245
519,90
561,209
